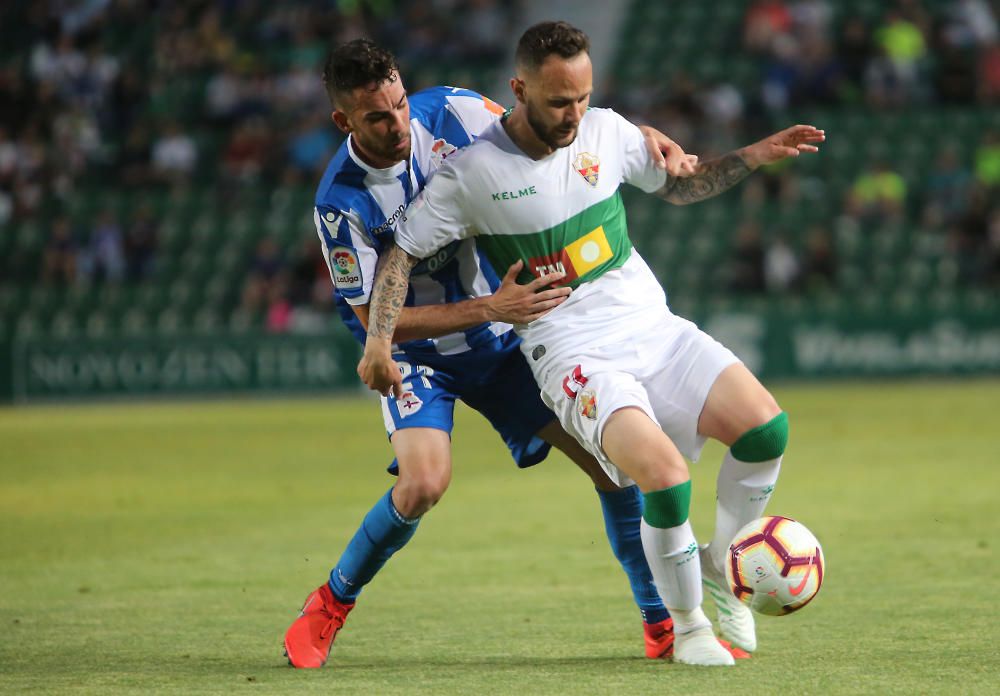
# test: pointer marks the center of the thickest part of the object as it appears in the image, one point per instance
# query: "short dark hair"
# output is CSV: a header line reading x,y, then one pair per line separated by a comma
x,y
548,38
356,64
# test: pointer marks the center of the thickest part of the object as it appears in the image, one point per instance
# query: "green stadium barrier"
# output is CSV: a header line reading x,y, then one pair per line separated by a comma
x,y
774,343
852,344
51,369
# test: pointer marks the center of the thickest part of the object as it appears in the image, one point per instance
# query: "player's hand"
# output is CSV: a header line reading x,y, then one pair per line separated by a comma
x,y
667,154
522,304
378,370
787,143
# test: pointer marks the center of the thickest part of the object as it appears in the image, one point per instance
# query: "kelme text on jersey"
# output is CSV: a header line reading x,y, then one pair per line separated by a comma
x,y
512,195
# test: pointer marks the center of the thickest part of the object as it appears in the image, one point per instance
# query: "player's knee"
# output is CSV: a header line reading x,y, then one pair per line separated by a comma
x,y
419,491
765,442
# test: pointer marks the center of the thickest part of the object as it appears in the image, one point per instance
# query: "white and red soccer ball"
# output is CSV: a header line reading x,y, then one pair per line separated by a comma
x,y
775,565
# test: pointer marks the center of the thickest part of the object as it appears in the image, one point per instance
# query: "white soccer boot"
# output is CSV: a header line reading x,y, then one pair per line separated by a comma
x,y
701,647
735,617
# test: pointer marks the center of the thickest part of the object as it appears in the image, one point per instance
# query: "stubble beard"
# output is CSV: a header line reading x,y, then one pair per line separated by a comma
x,y
547,136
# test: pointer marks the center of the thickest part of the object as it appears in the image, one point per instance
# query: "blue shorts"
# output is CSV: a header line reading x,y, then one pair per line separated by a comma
x,y
497,382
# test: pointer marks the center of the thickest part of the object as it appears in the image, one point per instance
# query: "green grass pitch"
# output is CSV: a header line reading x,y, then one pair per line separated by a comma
x,y
166,547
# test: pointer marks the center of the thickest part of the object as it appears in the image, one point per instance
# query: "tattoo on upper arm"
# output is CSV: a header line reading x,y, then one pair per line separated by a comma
x,y
711,179
389,292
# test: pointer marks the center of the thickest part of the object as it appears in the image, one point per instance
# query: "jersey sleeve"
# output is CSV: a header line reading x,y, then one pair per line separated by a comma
x,y
638,166
475,112
349,254
436,217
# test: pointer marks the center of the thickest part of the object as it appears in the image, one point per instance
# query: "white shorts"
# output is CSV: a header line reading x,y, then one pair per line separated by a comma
x,y
667,371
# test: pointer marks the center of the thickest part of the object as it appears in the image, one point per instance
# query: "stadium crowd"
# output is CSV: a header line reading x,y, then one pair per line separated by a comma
x,y
908,58
134,97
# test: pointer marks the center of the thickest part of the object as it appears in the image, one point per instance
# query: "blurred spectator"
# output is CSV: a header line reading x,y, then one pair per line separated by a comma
x,y
104,258
309,282
819,265
266,282
59,256
29,180
764,22
247,152
484,29
309,289
8,157
819,76
311,148
141,241
15,98
948,183
722,104
878,193
969,238
135,158
969,23
125,102
988,160
279,312
993,248
904,48
855,52
781,72
174,153
988,73
300,91
955,76
746,271
223,96
811,19
781,265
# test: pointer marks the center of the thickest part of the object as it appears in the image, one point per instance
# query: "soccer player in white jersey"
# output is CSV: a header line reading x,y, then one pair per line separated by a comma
x,y
454,339
639,387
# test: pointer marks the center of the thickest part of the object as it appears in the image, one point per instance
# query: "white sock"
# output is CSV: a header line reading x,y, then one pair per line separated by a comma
x,y
742,490
672,555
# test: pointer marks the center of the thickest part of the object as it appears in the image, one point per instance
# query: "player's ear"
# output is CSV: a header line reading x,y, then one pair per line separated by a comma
x,y
517,87
340,119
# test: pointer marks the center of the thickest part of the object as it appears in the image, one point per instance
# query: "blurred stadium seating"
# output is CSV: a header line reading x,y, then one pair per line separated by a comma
x,y
712,77
157,162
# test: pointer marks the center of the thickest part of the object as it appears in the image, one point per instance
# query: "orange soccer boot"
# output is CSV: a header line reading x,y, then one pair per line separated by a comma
x,y
309,639
659,639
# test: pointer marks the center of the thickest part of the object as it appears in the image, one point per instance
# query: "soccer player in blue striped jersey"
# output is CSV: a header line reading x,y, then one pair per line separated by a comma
x,y
454,339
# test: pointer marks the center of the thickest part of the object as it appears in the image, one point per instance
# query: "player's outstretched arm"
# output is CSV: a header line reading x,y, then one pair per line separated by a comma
x,y
715,176
510,304
377,369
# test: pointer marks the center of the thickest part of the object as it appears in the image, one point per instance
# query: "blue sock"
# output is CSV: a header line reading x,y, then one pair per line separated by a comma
x,y
622,512
383,532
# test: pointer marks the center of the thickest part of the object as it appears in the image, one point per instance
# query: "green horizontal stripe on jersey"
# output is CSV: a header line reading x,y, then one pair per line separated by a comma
x,y
549,245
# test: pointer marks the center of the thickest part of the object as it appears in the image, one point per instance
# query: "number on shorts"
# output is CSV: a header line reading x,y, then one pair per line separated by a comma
x,y
421,371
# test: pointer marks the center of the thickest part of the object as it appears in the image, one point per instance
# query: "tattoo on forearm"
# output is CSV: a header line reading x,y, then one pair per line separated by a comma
x,y
711,179
389,292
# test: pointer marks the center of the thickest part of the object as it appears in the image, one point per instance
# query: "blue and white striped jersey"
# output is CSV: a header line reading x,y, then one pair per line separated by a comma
x,y
357,208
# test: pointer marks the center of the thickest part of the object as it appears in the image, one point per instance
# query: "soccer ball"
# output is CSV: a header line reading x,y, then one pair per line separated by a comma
x,y
775,565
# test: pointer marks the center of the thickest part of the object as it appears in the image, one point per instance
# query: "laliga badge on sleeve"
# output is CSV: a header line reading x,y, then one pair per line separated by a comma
x,y
346,271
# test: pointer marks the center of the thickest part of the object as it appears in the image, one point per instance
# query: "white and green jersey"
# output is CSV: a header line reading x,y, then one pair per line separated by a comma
x,y
563,212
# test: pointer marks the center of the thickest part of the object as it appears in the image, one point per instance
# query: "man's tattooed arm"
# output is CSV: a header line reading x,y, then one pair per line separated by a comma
x,y
389,292
710,179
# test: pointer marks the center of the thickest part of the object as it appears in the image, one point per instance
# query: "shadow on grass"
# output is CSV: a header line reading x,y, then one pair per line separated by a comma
x,y
492,662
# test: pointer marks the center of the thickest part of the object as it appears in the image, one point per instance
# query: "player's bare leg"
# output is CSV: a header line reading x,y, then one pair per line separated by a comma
x,y
637,446
743,415
622,509
424,457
